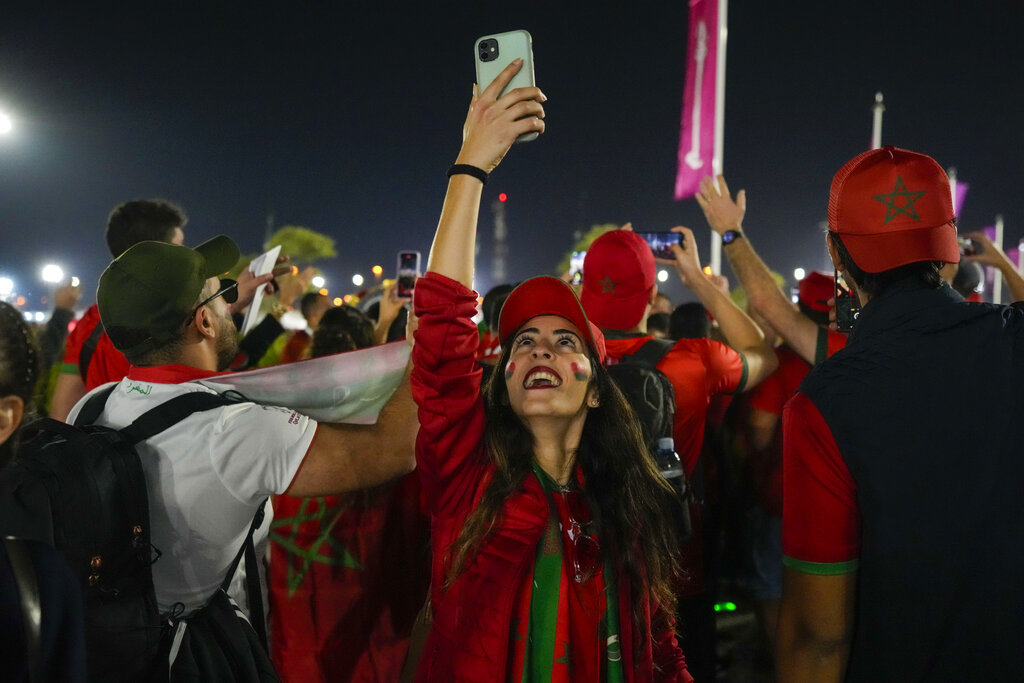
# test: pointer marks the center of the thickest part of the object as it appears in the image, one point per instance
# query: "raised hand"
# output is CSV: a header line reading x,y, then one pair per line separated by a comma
x,y
493,123
719,209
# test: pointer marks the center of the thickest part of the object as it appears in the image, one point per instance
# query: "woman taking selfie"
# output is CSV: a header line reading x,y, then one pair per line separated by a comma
x,y
553,544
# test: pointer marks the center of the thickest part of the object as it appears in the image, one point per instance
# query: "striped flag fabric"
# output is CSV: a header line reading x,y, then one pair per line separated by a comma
x,y
700,137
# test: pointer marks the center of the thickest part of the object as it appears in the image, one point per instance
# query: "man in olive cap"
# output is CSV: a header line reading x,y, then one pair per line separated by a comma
x,y
166,309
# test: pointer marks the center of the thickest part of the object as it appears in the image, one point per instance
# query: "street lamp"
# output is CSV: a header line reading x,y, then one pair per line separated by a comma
x,y
52,273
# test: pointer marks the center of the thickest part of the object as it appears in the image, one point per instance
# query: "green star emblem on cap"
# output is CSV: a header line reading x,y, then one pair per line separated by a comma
x,y
892,209
608,285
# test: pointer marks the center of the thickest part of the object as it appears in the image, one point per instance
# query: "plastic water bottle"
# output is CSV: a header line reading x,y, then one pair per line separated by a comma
x,y
668,460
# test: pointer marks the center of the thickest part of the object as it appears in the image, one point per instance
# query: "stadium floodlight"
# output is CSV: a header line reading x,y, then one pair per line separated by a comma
x,y
319,281
799,274
357,280
52,273
662,276
6,286
6,124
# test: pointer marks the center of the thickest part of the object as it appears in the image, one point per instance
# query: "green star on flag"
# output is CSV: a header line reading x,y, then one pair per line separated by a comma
x,y
608,285
892,208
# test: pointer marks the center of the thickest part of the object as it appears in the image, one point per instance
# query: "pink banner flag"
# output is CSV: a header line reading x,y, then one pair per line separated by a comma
x,y
697,138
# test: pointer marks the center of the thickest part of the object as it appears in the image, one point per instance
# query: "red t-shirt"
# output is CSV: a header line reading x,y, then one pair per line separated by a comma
x,y
698,370
76,338
771,396
820,519
295,346
107,364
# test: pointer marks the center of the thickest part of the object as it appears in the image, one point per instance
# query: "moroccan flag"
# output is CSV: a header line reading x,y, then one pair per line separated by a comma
x,y
700,137
348,575
344,387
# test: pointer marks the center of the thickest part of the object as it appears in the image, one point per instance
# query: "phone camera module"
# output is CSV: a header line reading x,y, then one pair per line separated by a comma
x,y
488,50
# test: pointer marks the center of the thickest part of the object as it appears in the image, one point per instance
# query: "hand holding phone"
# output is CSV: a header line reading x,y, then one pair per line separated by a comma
x,y
847,305
661,243
494,53
407,271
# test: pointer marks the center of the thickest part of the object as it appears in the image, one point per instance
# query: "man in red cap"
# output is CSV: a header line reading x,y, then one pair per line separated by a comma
x,y
618,291
901,525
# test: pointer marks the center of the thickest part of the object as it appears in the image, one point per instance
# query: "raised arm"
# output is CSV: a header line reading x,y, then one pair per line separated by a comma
x,y
491,127
738,329
991,255
724,214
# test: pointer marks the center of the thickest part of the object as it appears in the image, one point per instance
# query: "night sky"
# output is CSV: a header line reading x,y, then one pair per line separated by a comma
x,y
344,118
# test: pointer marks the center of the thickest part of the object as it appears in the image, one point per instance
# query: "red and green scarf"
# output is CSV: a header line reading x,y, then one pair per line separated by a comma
x,y
565,630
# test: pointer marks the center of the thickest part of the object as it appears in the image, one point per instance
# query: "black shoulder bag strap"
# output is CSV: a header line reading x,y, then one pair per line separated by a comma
x,y
252,577
651,352
31,606
93,408
88,349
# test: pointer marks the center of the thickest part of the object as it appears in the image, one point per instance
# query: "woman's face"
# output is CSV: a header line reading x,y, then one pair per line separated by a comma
x,y
548,372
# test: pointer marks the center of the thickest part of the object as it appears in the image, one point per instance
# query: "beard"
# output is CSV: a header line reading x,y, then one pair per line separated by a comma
x,y
227,342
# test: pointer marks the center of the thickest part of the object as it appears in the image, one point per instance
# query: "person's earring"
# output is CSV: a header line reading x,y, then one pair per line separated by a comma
x,y
593,402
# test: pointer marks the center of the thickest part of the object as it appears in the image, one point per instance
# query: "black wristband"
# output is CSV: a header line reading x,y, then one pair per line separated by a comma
x,y
730,236
465,169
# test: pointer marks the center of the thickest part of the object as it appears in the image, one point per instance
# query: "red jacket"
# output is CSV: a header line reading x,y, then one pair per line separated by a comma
x,y
472,618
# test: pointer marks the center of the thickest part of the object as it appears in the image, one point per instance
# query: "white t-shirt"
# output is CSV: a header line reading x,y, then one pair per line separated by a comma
x,y
206,476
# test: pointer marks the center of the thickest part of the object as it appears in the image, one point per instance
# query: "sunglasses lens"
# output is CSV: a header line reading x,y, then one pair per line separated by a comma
x,y
229,289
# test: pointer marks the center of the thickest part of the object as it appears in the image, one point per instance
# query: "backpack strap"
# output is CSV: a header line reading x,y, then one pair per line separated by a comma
x,y
93,408
252,577
31,605
88,349
651,352
171,412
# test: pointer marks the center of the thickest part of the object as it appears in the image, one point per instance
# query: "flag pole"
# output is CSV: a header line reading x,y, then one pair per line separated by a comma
x,y
876,127
997,280
719,156
951,172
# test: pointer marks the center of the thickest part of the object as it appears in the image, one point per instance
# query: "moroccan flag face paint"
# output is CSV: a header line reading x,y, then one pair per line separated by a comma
x,y
579,371
510,370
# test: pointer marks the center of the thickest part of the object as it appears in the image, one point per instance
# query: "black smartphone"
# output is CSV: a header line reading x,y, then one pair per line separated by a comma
x,y
661,243
406,273
847,306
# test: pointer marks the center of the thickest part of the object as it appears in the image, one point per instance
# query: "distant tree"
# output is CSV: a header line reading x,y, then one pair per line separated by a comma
x,y
584,243
302,244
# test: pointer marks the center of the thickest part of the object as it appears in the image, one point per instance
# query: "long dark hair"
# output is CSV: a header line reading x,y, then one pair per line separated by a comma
x,y
19,368
635,504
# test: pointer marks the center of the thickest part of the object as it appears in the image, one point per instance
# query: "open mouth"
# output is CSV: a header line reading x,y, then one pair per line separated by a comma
x,y
541,378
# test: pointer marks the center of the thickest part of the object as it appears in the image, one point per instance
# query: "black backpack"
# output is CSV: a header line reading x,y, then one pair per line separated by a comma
x,y
81,489
648,391
652,397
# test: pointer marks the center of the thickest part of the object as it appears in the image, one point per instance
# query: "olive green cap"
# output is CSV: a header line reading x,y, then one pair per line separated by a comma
x,y
146,293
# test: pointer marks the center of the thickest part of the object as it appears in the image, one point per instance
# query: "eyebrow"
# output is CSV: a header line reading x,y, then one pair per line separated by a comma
x,y
534,330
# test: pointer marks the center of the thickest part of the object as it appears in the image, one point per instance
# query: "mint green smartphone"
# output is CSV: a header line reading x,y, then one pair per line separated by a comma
x,y
493,54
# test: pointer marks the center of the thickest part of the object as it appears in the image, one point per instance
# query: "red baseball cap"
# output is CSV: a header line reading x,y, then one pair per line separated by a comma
x,y
815,290
618,274
891,207
547,296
